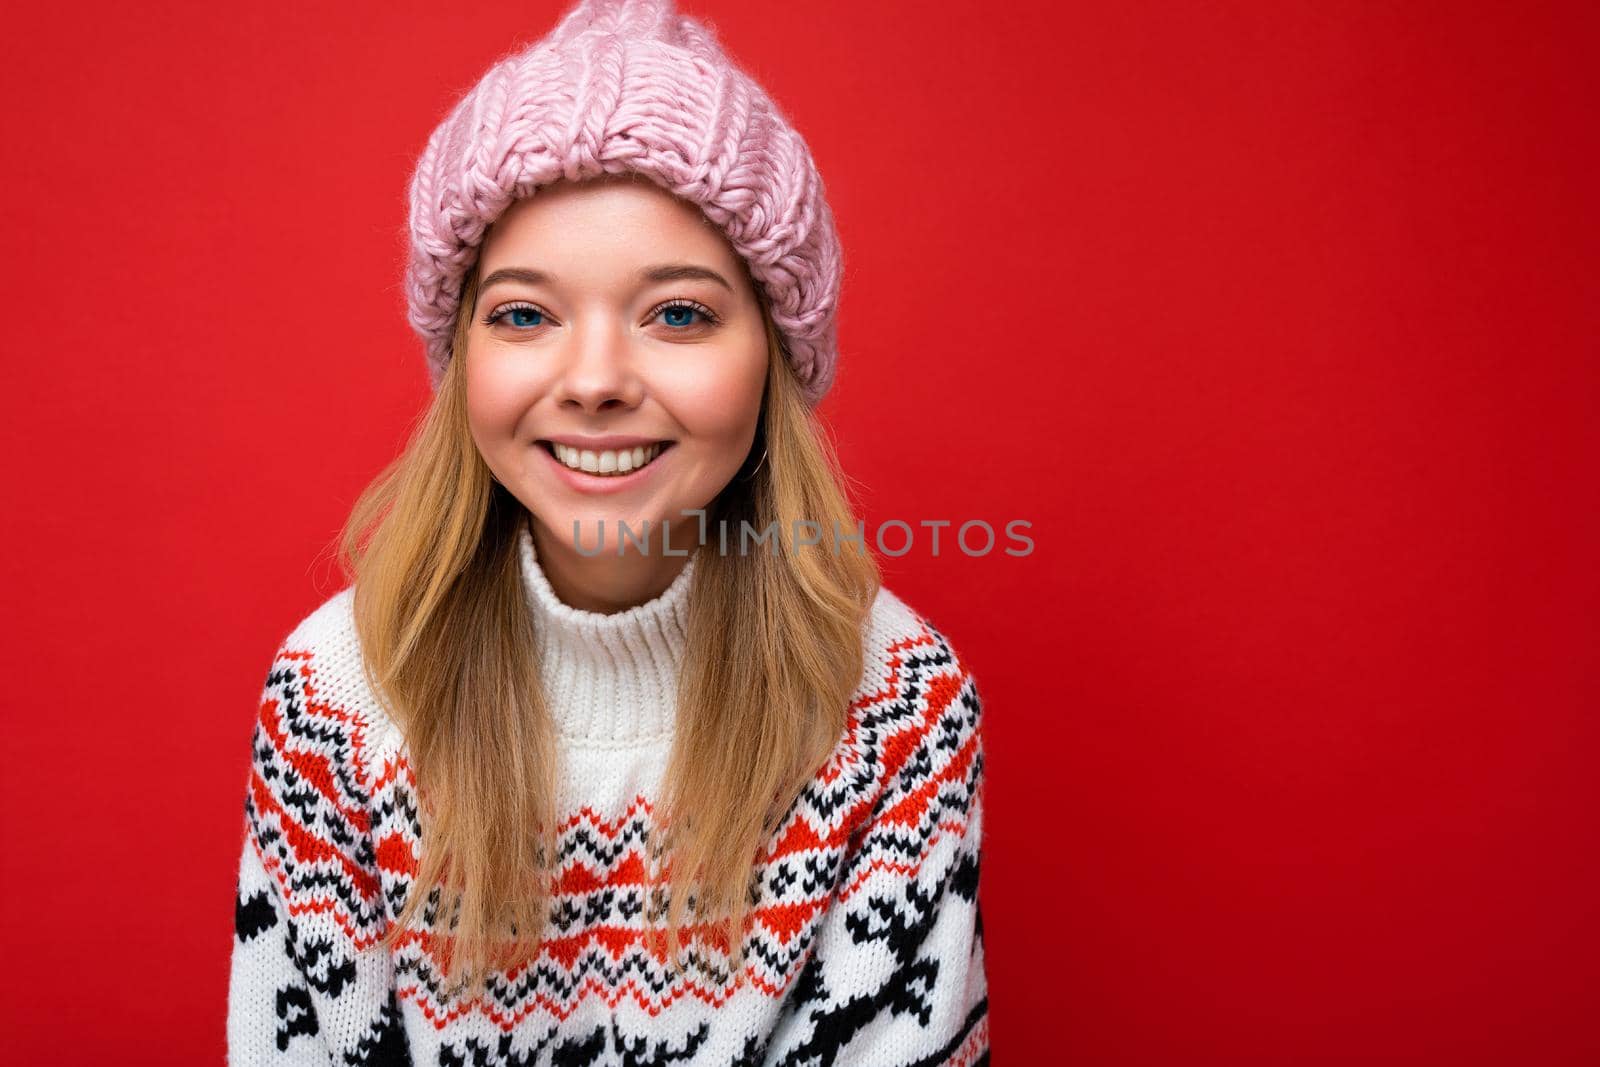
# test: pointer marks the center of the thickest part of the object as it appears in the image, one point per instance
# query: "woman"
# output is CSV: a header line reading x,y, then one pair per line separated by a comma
x,y
615,750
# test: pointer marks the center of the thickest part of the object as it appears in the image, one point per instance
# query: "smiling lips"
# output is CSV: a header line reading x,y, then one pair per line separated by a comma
x,y
605,461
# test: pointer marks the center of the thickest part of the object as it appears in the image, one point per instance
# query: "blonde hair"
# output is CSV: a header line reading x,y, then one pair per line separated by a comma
x,y
773,655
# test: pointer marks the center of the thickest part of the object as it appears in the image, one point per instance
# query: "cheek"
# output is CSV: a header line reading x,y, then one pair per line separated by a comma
x,y
718,398
496,397
721,410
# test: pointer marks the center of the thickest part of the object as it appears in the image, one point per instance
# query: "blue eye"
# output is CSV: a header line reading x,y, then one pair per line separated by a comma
x,y
519,316
681,314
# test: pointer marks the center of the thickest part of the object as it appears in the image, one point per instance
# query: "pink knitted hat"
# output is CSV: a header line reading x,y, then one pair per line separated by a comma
x,y
629,85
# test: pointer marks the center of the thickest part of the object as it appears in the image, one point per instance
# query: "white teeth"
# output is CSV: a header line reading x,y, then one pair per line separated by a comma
x,y
606,462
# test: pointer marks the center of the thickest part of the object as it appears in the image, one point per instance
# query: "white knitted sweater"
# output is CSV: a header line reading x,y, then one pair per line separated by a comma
x,y
866,949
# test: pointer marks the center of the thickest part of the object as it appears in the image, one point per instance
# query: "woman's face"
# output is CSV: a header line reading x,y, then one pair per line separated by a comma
x,y
615,360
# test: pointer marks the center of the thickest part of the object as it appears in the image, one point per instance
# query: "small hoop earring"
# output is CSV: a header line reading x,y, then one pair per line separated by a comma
x,y
757,467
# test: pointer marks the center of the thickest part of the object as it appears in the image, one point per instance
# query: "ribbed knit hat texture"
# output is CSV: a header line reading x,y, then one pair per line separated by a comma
x,y
629,85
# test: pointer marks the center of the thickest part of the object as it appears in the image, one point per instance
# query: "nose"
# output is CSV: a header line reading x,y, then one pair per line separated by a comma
x,y
599,372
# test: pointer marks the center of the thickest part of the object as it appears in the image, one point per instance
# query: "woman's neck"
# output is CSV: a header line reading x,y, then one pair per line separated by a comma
x,y
610,678
605,581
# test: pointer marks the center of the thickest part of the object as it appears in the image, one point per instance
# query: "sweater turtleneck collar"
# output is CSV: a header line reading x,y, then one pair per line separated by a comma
x,y
611,680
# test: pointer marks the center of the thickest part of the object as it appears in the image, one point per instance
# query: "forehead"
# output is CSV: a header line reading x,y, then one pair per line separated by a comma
x,y
615,218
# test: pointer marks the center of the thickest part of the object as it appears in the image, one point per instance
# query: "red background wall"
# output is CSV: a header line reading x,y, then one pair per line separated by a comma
x,y
1277,320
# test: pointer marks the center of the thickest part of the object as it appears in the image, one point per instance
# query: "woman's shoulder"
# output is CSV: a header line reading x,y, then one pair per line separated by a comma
x,y
318,672
895,628
911,671
316,753
914,730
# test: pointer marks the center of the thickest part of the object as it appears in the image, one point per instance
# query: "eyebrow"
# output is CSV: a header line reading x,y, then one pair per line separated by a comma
x,y
665,272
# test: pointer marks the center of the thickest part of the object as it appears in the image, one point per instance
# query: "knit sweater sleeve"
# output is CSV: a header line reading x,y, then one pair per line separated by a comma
x,y
897,976
309,984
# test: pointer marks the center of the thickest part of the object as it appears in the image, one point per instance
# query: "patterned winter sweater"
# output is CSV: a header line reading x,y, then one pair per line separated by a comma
x,y
865,951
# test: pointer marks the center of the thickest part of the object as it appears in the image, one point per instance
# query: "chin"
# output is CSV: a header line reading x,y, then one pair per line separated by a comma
x,y
644,521
589,523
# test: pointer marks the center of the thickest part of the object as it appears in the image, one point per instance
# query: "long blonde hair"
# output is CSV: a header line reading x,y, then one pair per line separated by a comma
x,y
773,654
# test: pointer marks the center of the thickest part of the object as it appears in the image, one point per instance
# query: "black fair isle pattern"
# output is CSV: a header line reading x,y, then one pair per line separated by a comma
x,y
866,948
